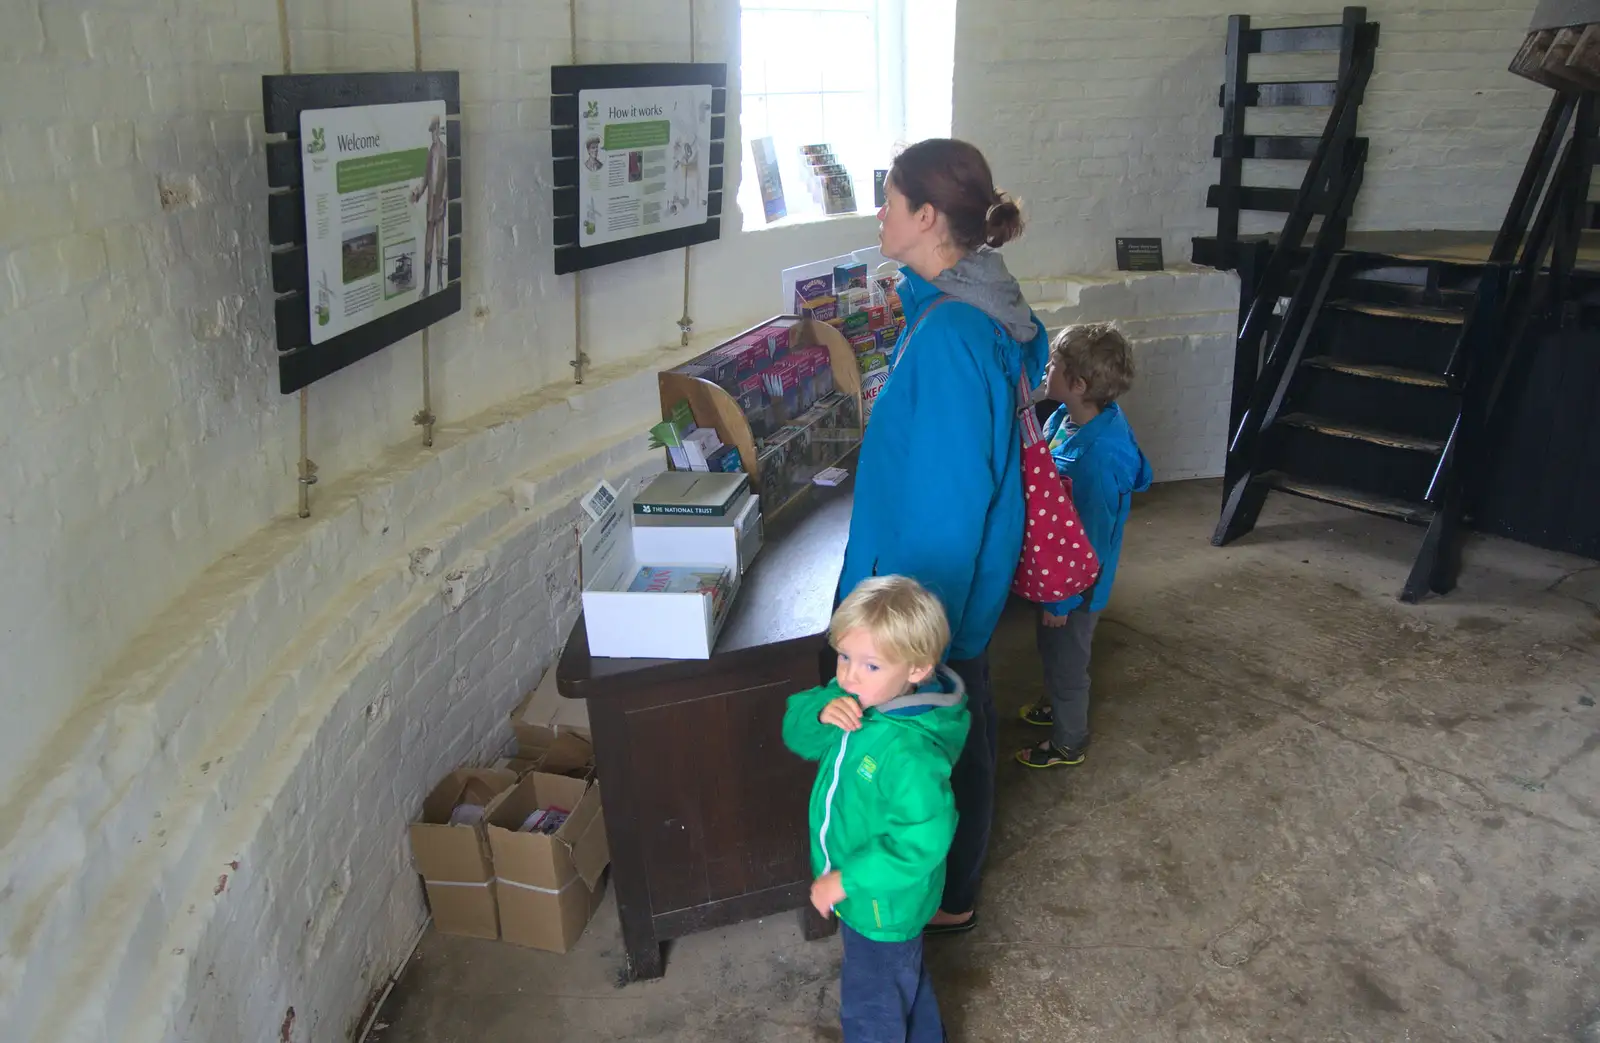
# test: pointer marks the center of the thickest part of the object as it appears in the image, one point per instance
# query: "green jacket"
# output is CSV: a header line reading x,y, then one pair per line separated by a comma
x,y
881,810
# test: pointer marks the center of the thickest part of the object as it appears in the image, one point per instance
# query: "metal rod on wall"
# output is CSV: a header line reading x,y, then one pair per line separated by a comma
x,y
307,471
424,417
579,359
685,323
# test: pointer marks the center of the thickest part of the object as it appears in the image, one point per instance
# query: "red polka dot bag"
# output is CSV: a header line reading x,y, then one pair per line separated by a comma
x,y
1057,561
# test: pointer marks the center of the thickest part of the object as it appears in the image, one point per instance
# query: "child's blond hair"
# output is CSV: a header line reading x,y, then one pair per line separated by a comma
x,y
1097,353
906,622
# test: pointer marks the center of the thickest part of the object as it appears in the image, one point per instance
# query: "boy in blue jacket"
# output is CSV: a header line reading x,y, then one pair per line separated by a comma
x,y
1094,449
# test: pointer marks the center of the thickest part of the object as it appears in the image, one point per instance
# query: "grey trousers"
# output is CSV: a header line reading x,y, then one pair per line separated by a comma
x,y
1065,651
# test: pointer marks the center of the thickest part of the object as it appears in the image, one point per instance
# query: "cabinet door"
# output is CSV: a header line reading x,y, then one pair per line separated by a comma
x,y
720,801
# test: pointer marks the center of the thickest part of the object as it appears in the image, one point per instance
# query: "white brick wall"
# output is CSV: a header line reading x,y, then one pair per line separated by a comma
x,y
1101,114
196,678
283,730
1181,327
144,434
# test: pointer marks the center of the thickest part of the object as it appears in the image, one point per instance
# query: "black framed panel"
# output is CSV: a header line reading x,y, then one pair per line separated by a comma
x,y
297,369
566,81
284,98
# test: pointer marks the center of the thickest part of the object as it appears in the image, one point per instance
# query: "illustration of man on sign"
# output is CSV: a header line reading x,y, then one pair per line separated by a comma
x,y
592,160
685,165
435,178
691,170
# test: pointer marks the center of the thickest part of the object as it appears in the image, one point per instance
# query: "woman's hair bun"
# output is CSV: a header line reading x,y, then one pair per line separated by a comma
x,y
1003,221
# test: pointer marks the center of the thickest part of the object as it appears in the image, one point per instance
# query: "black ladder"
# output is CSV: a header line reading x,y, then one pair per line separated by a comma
x,y
1238,95
1383,393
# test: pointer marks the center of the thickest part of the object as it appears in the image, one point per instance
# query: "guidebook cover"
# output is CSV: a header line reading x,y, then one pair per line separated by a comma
x,y
683,579
692,493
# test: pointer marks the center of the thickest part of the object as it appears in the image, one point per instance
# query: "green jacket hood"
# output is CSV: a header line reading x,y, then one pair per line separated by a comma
x,y
937,709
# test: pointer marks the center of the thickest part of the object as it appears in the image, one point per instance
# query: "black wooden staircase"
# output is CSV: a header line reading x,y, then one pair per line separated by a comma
x,y
1373,379
1354,38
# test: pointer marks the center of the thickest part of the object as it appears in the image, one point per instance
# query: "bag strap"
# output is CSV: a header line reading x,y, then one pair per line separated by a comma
x,y
1032,433
905,342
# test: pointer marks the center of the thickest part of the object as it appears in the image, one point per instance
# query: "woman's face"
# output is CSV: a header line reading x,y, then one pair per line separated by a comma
x,y
899,228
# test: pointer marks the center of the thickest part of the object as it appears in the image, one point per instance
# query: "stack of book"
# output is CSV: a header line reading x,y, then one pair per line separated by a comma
x,y
710,581
692,498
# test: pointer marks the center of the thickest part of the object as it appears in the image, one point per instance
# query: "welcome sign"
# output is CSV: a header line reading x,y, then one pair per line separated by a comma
x,y
363,213
376,211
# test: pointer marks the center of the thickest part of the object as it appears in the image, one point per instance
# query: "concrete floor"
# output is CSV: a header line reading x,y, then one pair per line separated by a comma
x,y
1310,813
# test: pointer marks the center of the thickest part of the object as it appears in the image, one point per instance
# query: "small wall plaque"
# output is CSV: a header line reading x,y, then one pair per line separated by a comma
x,y
1139,255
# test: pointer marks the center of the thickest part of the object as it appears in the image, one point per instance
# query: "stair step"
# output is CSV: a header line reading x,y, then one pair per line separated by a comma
x,y
1266,146
1265,200
1387,294
1373,335
1338,429
1294,38
1404,510
1415,312
1275,93
1394,374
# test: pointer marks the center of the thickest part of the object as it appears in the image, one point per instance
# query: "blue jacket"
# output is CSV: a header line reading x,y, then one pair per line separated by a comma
x,y
938,493
1106,468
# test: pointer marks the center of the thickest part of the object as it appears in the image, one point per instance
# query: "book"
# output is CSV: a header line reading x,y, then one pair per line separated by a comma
x,y
708,580
545,820
735,509
771,181
702,493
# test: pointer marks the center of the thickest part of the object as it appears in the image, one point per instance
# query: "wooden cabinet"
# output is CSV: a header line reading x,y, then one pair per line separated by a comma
x,y
705,807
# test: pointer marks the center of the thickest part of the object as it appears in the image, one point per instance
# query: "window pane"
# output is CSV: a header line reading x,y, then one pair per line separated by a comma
x,y
753,121
848,120
852,54
752,56
793,46
796,118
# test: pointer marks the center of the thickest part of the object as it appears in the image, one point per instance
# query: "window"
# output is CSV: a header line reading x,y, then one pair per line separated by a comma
x,y
859,75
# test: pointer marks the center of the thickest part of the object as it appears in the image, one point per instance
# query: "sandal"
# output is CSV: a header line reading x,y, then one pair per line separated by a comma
x,y
1039,714
934,930
1049,755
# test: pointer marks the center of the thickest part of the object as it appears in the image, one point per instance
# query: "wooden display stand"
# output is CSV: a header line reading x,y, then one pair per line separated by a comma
x,y
706,809
714,407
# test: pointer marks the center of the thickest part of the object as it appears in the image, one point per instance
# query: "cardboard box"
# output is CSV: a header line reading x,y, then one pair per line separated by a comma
x,y
552,732
549,886
849,277
628,624
455,861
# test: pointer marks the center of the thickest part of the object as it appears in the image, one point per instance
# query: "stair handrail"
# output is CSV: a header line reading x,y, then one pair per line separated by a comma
x,y
1534,173
1267,394
1308,298
1336,134
1506,303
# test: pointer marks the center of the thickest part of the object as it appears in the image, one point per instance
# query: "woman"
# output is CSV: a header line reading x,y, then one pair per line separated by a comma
x,y
939,485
